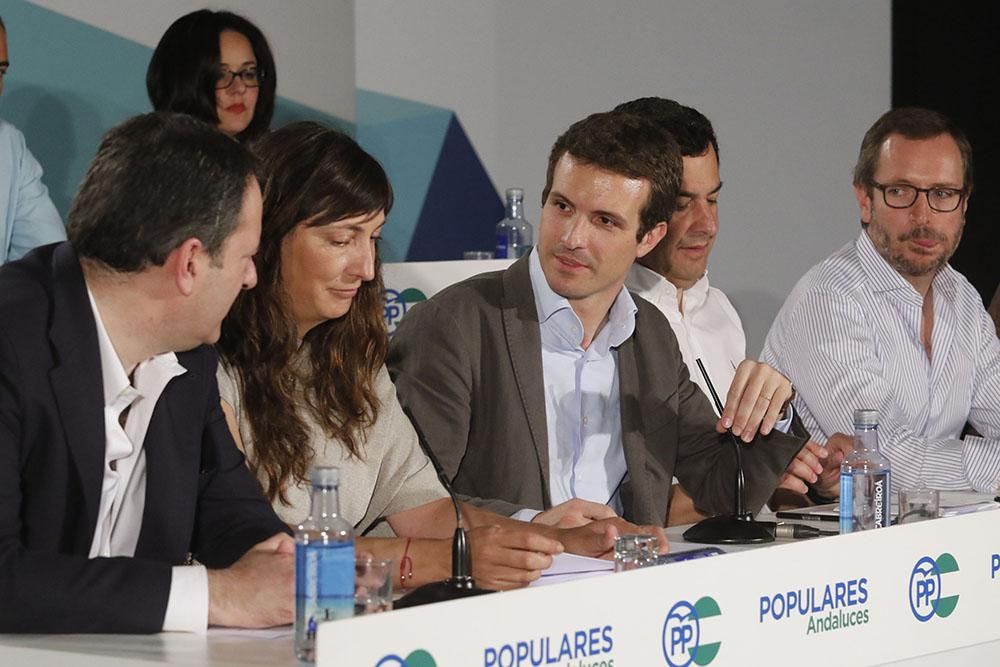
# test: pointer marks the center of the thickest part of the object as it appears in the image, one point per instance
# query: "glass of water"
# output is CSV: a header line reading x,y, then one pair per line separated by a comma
x,y
372,585
635,551
918,504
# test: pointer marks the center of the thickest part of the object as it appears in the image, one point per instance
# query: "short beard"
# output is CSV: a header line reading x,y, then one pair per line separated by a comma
x,y
897,258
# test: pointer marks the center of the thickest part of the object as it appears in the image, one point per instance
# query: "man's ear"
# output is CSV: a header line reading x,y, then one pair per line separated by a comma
x,y
864,197
185,264
651,238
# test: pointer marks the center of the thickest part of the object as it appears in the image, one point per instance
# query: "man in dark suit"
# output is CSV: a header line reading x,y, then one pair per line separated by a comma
x,y
116,466
548,383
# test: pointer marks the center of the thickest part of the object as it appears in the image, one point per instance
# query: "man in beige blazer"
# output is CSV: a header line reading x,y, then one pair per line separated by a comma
x,y
549,383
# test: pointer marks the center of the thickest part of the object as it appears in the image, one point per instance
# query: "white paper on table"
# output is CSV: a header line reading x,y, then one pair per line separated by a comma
x,y
567,567
982,506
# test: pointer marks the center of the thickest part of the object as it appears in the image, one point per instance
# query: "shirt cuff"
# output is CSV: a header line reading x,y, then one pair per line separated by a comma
x,y
782,425
187,606
982,464
527,514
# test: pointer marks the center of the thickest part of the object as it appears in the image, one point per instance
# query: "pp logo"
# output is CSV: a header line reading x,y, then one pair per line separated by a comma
x,y
419,658
925,588
682,633
397,303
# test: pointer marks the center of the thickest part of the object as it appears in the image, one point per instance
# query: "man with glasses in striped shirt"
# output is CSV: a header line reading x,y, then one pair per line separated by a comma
x,y
886,323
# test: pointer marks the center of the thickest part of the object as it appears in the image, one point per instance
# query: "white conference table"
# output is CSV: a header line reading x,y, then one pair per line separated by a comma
x,y
225,648
233,651
214,650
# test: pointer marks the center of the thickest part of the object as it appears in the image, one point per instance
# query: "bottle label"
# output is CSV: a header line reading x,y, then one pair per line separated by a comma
x,y
865,500
501,249
880,500
846,503
324,584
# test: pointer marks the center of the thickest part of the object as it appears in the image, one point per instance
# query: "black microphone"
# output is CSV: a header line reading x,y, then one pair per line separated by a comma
x,y
460,584
738,527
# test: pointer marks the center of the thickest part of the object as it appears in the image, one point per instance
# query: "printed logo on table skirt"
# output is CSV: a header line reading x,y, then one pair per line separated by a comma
x,y
419,658
397,303
926,600
681,639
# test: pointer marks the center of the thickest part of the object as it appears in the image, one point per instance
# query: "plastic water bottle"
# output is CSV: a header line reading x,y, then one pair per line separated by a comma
x,y
324,564
865,479
514,233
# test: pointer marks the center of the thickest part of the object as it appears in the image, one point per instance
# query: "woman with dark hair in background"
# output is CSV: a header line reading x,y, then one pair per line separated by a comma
x,y
304,383
217,67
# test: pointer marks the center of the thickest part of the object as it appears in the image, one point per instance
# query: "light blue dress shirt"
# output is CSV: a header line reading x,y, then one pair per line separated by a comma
x,y
582,410
28,218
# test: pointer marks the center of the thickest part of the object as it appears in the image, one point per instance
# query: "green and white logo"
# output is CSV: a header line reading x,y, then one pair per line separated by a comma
x,y
397,303
926,601
419,658
681,639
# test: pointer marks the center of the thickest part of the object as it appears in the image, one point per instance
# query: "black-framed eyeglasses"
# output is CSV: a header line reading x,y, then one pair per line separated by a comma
x,y
250,76
901,195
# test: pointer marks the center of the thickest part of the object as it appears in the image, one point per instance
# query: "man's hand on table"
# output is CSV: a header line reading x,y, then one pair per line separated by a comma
x,y
257,591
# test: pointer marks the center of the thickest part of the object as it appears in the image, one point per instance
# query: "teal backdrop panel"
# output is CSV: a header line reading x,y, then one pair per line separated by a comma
x,y
406,137
70,82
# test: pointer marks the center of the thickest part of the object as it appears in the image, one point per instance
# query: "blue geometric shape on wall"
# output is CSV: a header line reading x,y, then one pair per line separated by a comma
x,y
461,208
406,137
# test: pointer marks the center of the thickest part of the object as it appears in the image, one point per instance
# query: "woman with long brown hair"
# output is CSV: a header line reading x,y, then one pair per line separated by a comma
x,y
304,383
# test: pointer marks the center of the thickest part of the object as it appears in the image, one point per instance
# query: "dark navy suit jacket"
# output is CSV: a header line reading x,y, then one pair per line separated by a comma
x,y
200,497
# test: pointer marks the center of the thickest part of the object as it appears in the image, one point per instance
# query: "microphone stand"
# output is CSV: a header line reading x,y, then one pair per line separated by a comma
x,y
738,527
460,584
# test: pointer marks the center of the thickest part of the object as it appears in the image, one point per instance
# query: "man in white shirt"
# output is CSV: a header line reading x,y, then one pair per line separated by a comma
x,y
116,465
885,323
673,277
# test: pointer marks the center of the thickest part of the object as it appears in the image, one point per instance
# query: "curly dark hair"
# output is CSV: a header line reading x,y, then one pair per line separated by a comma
x,y
314,175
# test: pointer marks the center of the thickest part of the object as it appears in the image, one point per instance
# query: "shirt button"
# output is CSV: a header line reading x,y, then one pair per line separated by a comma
x,y
586,420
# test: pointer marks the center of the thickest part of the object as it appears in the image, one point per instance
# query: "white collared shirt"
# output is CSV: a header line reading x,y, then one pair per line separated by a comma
x,y
709,328
123,489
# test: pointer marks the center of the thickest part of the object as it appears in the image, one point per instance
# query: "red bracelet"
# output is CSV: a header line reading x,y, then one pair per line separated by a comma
x,y
405,566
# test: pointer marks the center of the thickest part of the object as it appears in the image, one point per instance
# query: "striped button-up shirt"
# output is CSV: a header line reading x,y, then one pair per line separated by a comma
x,y
849,337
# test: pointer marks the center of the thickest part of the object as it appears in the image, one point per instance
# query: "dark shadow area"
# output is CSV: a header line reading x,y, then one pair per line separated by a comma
x,y
946,57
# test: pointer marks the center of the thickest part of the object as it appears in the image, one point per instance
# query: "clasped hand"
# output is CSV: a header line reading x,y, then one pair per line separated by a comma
x,y
755,401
